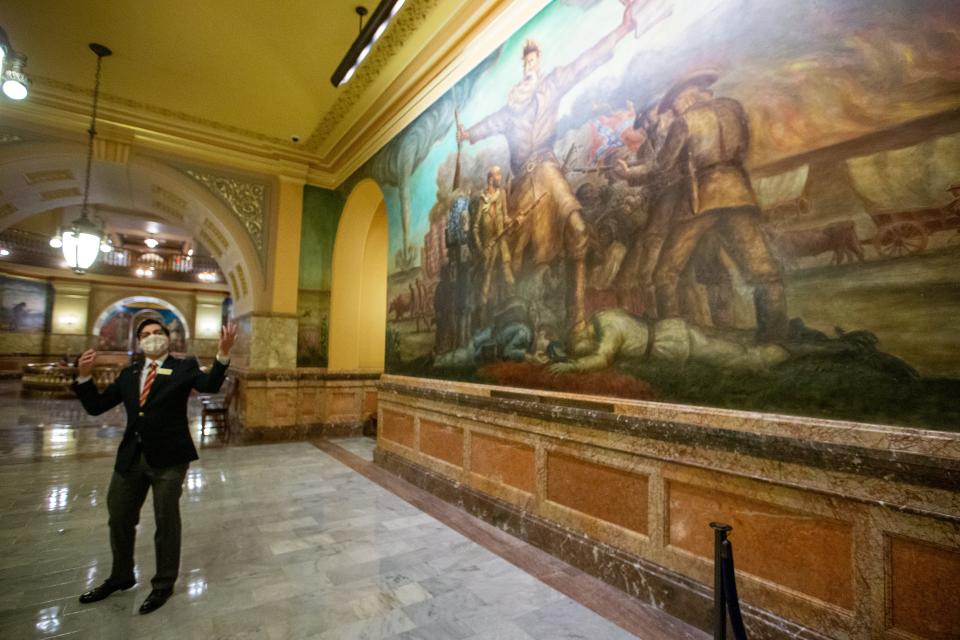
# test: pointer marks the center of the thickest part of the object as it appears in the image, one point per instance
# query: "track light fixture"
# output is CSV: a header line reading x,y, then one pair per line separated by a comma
x,y
13,81
369,34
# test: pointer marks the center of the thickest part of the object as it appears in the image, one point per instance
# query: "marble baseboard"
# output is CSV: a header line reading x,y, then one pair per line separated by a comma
x,y
253,435
675,594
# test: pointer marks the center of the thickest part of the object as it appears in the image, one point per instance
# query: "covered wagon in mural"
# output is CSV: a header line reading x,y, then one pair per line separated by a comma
x,y
901,233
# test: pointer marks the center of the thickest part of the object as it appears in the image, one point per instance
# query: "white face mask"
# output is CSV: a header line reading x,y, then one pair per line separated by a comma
x,y
155,345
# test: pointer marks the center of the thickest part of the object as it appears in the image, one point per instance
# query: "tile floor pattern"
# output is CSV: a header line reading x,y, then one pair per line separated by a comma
x,y
280,541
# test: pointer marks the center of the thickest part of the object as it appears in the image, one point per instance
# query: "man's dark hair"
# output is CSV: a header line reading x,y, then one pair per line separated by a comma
x,y
150,321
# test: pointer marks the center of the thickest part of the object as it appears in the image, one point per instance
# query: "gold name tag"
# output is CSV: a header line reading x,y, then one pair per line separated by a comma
x,y
164,372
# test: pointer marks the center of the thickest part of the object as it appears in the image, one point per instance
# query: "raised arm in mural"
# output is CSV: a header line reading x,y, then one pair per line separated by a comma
x,y
529,121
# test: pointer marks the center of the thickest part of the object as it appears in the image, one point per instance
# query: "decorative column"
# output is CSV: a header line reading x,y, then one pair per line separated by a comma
x,y
268,403
206,324
70,326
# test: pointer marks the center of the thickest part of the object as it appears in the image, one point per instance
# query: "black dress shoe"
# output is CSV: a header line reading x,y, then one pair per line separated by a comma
x,y
155,600
99,593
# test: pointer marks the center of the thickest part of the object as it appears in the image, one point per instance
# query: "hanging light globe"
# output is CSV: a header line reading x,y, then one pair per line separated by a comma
x,y
81,241
81,244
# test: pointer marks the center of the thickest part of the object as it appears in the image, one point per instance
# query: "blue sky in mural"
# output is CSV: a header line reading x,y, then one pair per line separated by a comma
x,y
551,28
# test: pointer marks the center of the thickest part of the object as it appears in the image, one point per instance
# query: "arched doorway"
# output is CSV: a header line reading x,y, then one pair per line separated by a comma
x,y
115,326
358,299
38,177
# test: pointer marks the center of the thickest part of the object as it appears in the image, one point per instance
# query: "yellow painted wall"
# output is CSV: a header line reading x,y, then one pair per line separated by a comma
x,y
350,324
373,294
71,301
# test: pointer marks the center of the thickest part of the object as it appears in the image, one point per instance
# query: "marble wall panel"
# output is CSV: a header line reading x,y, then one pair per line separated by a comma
x,y
398,427
598,490
283,406
370,402
343,402
441,441
14,342
272,342
801,551
308,403
503,461
920,574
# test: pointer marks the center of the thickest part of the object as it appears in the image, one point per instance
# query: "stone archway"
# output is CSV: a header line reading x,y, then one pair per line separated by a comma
x,y
358,299
134,301
38,177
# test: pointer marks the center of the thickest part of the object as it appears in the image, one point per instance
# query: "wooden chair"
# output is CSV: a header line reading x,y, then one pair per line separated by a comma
x,y
217,408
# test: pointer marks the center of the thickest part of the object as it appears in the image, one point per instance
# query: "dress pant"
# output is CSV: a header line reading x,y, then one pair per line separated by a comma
x,y
126,496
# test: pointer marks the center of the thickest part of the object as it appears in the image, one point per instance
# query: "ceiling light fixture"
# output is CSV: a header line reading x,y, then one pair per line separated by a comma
x,y
81,241
151,242
369,34
15,84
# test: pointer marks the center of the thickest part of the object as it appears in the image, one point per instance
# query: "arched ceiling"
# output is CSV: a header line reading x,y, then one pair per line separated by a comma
x,y
243,75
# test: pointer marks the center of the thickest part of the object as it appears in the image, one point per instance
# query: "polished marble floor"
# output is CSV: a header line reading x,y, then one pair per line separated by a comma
x,y
293,540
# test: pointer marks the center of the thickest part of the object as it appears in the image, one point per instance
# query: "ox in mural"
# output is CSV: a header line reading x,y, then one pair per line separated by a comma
x,y
732,203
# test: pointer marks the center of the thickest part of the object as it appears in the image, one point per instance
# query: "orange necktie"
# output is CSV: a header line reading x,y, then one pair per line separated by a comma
x,y
148,383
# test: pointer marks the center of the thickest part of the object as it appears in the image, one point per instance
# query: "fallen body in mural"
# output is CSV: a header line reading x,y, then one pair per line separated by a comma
x,y
615,337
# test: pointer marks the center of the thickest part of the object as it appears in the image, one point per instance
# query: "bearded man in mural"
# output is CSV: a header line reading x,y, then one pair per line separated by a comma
x,y
552,224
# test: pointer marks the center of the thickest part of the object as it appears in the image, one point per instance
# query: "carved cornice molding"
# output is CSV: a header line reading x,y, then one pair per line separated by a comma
x,y
114,99
404,24
463,39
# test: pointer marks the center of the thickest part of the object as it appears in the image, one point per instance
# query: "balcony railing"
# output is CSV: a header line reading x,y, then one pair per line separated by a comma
x,y
25,247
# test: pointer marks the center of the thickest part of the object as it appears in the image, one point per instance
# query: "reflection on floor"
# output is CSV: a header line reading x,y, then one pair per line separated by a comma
x,y
282,541
38,428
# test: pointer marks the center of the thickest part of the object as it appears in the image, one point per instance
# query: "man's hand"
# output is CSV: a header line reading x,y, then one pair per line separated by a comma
x,y
228,335
621,169
559,368
85,363
462,134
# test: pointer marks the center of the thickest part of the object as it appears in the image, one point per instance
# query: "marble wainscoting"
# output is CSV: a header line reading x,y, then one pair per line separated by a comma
x,y
840,530
297,403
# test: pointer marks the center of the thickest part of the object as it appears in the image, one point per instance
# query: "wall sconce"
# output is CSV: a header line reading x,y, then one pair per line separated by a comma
x,y
369,34
15,82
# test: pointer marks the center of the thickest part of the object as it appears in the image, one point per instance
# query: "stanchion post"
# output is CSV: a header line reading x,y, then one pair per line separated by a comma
x,y
720,532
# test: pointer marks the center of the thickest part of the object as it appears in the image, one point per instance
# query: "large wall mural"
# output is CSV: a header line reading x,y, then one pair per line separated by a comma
x,y
321,214
732,203
24,305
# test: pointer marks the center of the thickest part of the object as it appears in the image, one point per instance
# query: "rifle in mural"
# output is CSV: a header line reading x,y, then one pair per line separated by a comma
x,y
516,222
456,171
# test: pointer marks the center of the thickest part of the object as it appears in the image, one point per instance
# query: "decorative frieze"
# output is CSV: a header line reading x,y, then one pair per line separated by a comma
x,y
247,200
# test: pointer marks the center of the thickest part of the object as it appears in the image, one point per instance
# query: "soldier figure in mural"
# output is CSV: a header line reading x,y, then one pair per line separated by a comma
x,y
490,235
554,226
668,180
459,265
713,136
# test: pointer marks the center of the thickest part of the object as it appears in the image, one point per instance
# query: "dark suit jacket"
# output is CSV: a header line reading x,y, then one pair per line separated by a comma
x,y
159,429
